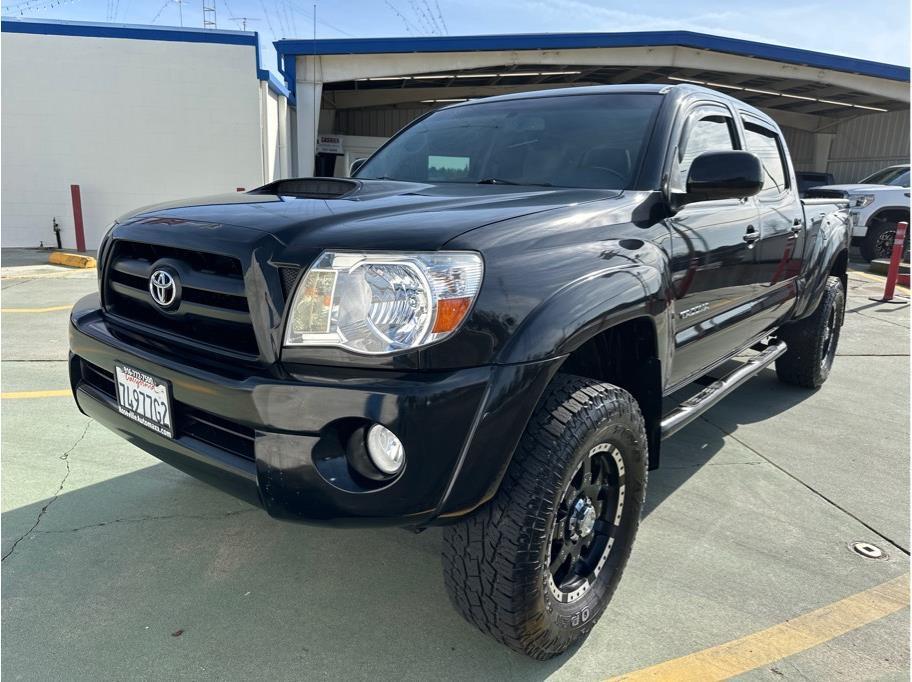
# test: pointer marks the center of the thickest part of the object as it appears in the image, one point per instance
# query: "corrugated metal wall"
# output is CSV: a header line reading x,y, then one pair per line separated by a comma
x,y
861,146
375,122
801,148
868,143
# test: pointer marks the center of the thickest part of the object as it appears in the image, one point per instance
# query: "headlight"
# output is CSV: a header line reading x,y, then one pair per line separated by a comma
x,y
861,200
380,303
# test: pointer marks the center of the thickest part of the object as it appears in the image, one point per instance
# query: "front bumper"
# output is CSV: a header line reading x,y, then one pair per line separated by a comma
x,y
279,438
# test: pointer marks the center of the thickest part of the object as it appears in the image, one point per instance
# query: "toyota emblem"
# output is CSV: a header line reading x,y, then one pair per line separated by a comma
x,y
163,288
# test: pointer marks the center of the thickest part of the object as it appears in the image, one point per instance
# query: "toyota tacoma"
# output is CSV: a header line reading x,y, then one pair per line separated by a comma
x,y
476,331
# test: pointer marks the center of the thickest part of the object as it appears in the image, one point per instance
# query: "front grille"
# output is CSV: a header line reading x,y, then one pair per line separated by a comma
x,y
189,421
213,308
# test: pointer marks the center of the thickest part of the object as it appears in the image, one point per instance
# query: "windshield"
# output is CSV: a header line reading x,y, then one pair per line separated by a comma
x,y
898,175
587,141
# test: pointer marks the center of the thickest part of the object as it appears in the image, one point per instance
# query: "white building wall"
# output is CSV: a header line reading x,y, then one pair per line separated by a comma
x,y
133,122
272,125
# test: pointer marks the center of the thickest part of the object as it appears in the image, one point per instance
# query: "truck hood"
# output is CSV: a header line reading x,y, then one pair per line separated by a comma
x,y
371,214
854,189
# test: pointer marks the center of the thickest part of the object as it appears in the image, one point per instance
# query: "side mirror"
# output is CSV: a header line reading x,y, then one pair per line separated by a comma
x,y
356,165
723,175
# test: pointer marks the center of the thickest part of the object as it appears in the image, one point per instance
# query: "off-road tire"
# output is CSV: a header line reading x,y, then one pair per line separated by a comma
x,y
496,561
878,241
812,341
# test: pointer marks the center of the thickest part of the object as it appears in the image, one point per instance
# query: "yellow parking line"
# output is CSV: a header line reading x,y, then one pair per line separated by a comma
x,y
22,395
786,639
51,309
880,279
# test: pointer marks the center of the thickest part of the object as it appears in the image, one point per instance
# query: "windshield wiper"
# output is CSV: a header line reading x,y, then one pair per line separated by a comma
x,y
499,181
496,181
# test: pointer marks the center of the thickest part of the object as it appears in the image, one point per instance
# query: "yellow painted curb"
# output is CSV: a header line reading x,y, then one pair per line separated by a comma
x,y
50,309
72,260
21,395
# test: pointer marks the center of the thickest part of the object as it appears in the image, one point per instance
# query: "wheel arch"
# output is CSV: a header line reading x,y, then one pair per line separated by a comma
x,y
626,355
889,214
617,313
628,305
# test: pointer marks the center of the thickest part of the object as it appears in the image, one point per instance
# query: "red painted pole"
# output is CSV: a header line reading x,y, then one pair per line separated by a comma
x,y
77,218
895,258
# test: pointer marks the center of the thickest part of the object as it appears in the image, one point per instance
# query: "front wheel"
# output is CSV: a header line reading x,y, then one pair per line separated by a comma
x,y
878,242
536,566
812,341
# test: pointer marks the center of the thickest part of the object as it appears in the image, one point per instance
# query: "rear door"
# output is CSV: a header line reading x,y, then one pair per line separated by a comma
x,y
782,233
712,255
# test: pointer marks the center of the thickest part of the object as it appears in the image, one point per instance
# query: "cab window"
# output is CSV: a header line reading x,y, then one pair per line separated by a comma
x,y
767,146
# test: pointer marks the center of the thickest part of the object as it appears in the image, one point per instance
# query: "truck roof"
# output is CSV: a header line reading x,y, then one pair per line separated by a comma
x,y
680,89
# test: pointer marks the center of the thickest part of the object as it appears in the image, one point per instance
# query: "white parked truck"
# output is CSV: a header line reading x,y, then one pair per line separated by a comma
x,y
876,204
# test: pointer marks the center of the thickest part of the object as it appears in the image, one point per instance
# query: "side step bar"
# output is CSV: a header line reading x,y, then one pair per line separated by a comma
x,y
693,407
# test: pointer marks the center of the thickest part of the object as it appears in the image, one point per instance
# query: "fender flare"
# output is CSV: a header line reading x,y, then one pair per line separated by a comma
x,y
589,306
573,315
830,245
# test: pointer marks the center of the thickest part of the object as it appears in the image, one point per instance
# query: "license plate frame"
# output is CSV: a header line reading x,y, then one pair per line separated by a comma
x,y
144,398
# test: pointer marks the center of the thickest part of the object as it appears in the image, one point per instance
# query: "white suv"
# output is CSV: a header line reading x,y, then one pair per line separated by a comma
x,y
876,203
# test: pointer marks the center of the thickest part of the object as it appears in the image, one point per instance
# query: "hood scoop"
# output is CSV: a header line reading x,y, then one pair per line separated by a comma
x,y
338,188
310,188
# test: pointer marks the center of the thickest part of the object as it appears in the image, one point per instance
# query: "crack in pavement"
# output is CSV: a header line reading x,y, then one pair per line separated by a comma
x,y
143,519
710,464
66,459
14,284
879,319
795,478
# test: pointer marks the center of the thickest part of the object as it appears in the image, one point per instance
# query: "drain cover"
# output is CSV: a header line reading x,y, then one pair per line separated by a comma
x,y
867,550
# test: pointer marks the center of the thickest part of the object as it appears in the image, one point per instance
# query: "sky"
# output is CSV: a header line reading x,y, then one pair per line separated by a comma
x,y
878,31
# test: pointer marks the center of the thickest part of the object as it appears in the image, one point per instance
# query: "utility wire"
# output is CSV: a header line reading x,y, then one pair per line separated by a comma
x,y
446,29
159,13
266,15
307,17
409,28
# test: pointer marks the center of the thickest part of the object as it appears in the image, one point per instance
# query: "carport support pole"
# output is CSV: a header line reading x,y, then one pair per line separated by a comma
x,y
309,93
895,258
77,218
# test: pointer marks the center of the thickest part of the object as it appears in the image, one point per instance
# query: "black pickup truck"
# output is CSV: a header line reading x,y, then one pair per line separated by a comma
x,y
477,330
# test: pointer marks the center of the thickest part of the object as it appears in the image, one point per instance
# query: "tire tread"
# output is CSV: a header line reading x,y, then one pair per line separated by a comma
x,y
490,563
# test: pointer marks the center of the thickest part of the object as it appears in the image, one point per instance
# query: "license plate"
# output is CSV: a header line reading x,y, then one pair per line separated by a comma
x,y
145,399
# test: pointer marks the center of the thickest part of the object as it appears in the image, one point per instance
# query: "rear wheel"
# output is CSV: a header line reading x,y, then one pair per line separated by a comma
x,y
812,341
536,566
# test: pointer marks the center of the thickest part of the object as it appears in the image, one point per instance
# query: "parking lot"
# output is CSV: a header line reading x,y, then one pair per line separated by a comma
x,y
118,567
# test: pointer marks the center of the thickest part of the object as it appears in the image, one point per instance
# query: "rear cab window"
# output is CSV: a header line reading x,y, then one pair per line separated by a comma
x,y
767,145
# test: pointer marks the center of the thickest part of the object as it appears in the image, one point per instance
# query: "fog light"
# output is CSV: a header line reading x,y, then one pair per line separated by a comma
x,y
385,450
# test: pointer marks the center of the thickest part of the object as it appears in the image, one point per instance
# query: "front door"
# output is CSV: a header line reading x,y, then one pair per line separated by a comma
x,y
713,264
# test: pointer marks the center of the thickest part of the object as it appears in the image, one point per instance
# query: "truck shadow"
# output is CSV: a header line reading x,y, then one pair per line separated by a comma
x,y
695,446
124,564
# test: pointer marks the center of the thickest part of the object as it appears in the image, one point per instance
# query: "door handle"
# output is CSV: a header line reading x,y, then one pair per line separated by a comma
x,y
751,235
